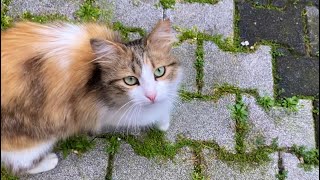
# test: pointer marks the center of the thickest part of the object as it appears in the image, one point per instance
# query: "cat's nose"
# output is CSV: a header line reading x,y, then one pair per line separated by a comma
x,y
151,96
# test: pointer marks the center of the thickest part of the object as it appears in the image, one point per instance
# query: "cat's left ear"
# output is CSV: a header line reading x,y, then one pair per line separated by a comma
x,y
162,37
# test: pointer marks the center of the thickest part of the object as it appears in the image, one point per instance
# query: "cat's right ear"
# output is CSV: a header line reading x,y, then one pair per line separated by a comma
x,y
104,49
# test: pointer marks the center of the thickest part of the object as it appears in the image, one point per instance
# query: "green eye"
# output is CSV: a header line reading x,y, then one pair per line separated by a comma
x,y
131,80
159,72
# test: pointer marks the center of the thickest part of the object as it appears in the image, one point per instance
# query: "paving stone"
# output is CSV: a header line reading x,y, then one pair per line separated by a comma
x,y
291,164
40,7
206,17
143,14
290,128
204,120
217,169
128,165
245,70
298,75
91,165
186,54
313,27
285,27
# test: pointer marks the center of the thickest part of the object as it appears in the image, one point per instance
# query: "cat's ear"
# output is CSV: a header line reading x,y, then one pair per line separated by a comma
x,y
104,49
162,37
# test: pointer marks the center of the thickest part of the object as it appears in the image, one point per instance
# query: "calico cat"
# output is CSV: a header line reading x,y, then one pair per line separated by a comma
x,y
60,79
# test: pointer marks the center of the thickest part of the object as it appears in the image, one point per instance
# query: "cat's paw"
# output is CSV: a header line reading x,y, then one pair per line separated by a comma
x,y
48,163
163,126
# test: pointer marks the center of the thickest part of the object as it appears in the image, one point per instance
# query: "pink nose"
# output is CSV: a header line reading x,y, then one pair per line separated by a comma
x,y
152,97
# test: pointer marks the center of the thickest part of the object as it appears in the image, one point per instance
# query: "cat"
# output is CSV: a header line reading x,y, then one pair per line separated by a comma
x,y
60,79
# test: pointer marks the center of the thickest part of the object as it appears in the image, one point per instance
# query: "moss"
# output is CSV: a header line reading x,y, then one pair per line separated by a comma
x,y
6,20
202,1
199,65
306,37
6,175
42,18
282,175
239,113
224,44
308,158
167,4
266,102
125,31
153,144
88,11
290,103
112,149
78,144
218,92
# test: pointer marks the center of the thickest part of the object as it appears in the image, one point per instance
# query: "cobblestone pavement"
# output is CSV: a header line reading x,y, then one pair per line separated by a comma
x,y
249,98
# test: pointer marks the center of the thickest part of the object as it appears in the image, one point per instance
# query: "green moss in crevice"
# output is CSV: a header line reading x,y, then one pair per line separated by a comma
x,y
167,4
239,113
78,144
88,11
6,175
5,19
227,44
199,65
306,37
202,1
308,158
42,18
198,170
112,149
282,175
125,31
218,92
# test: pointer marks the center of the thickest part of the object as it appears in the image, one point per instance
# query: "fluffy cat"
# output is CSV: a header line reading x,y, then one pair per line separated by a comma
x,y
60,79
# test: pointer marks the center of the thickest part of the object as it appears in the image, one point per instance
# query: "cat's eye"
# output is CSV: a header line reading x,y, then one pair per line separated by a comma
x,y
159,72
131,80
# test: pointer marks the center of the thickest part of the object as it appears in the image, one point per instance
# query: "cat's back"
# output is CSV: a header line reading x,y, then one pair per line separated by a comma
x,y
53,56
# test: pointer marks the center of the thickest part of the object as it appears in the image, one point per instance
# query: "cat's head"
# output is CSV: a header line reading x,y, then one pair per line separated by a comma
x,y
142,71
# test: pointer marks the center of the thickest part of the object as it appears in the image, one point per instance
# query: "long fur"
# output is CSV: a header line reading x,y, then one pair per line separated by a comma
x,y
61,79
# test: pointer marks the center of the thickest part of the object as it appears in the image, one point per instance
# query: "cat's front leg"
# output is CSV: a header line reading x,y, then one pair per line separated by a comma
x,y
164,123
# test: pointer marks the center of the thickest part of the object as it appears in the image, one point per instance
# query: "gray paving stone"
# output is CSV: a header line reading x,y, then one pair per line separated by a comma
x,y
40,7
217,169
313,27
143,14
245,70
290,128
291,164
91,165
186,54
128,165
201,120
206,17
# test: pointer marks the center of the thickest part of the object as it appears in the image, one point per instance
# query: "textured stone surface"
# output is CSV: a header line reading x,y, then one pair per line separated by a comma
x,y
143,14
290,128
206,17
91,165
217,169
298,75
128,165
186,54
39,7
200,120
283,27
291,164
313,27
243,70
